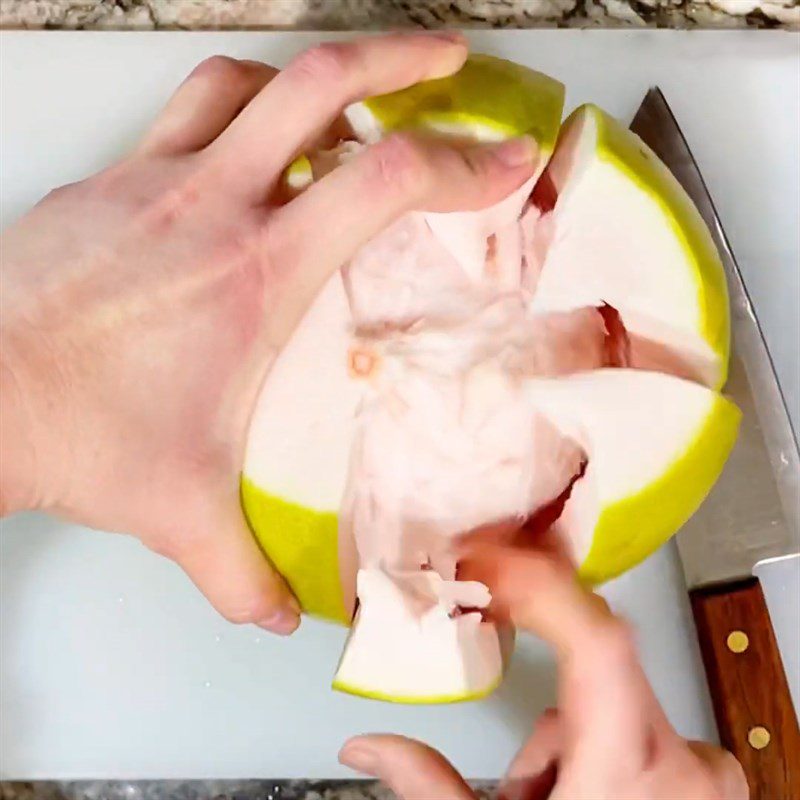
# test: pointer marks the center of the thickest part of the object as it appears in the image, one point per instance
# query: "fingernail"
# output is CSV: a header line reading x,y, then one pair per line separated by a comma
x,y
449,36
295,605
283,622
517,152
360,758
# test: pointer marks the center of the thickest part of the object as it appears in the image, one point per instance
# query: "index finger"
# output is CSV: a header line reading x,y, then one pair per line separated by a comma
x,y
607,705
303,99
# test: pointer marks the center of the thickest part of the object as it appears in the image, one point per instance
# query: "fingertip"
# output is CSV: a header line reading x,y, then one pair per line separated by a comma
x,y
283,621
523,151
359,754
456,37
454,54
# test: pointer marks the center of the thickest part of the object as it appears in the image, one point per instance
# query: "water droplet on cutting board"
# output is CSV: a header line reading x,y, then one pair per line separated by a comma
x,y
207,684
120,599
217,638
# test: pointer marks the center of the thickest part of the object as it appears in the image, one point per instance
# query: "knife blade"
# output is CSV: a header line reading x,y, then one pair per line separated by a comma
x,y
750,517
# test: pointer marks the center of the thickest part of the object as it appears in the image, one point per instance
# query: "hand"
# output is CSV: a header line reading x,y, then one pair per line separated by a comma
x,y
608,739
141,308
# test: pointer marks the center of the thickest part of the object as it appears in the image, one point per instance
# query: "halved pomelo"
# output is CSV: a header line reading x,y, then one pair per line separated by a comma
x,y
473,366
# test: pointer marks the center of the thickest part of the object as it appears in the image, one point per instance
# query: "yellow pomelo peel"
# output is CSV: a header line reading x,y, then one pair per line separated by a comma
x,y
625,151
507,98
630,530
341,686
303,544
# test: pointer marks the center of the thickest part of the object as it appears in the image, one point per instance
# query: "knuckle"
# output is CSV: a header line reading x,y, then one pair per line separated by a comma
x,y
475,165
221,68
326,64
170,205
400,166
61,193
166,543
111,183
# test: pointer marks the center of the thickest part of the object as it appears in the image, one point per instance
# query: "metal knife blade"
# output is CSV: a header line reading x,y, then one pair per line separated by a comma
x,y
752,515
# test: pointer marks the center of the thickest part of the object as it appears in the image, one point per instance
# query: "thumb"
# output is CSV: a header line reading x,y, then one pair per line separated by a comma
x,y
226,564
411,769
533,772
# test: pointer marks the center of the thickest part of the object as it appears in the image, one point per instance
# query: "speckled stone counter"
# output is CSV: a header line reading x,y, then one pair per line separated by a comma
x,y
205,790
373,14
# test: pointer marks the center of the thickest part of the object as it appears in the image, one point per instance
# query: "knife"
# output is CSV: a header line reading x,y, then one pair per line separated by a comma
x,y
751,516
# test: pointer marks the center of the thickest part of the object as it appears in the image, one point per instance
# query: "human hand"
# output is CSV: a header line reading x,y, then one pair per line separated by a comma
x,y
609,738
142,307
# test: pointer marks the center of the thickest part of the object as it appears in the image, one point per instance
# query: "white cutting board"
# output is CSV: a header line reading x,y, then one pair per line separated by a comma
x,y
111,664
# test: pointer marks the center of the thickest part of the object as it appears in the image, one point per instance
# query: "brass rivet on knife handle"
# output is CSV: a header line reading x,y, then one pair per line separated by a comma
x,y
737,641
758,737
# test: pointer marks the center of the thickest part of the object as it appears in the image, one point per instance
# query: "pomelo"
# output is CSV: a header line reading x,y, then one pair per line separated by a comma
x,y
563,345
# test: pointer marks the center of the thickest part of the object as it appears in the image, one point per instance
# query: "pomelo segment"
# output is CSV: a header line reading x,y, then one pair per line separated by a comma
x,y
624,232
298,451
409,644
654,445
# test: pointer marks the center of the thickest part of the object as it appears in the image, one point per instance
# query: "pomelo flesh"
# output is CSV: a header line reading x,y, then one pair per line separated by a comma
x,y
470,367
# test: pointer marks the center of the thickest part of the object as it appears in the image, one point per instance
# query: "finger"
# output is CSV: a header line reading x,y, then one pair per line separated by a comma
x,y
533,771
507,636
725,771
205,104
307,96
363,196
411,769
228,567
602,686
542,747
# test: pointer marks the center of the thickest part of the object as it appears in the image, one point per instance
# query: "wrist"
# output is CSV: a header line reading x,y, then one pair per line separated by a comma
x,y
18,456
32,429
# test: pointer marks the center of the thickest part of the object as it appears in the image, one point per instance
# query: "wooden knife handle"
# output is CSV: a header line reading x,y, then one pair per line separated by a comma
x,y
752,704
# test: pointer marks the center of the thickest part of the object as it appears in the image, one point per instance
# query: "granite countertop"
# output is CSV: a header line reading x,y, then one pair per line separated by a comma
x,y
204,790
372,14
333,15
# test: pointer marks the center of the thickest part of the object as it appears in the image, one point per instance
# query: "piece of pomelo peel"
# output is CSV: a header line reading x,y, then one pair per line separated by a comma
x,y
608,228
488,99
